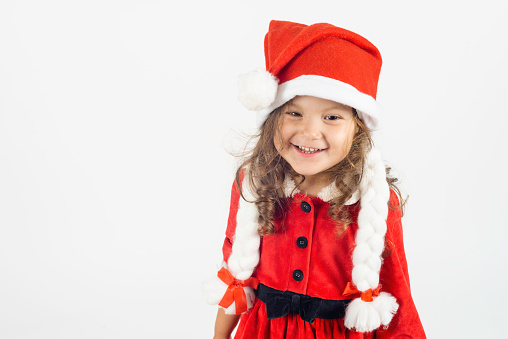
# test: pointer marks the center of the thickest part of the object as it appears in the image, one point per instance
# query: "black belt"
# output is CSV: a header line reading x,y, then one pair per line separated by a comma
x,y
280,303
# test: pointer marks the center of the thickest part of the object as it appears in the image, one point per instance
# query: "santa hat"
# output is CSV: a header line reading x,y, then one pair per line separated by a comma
x,y
320,60
332,63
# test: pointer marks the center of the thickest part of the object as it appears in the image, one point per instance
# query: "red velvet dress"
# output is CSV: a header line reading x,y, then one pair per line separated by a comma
x,y
326,265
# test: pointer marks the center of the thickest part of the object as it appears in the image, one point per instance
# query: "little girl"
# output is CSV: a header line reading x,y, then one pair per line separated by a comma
x,y
313,245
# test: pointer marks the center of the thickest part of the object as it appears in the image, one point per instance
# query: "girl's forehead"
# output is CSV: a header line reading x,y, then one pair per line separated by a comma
x,y
304,101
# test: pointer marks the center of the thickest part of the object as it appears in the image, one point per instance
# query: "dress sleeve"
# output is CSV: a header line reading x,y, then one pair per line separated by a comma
x,y
231,227
236,295
394,278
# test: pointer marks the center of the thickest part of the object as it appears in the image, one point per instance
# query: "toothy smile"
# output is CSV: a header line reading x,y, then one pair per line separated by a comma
x,y
308,150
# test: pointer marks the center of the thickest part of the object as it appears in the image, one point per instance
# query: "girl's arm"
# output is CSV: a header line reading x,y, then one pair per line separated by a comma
x,y
225,324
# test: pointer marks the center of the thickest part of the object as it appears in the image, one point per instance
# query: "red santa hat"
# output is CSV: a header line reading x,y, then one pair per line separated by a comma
x,y
320,60
332,63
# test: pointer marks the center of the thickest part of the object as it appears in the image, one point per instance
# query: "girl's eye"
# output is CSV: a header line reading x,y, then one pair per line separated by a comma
x,y
294,114
333,117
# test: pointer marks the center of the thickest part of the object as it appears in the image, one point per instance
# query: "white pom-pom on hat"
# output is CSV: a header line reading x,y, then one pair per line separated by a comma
x,y
257,89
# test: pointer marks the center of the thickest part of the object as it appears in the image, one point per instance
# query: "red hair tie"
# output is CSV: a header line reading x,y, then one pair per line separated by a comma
x,y
365,295
235,292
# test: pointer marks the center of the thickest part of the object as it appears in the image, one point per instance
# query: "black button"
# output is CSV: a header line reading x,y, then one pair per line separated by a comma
x,y
297,275
305,206
301,242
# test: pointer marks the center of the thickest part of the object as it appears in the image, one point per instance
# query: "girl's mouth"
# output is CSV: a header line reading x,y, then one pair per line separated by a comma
x,y
308,150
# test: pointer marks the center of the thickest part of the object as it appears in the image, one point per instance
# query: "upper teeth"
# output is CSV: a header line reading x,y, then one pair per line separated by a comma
x,y
308,149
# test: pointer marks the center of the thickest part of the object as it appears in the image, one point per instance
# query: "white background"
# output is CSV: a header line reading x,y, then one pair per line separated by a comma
x,y
116,119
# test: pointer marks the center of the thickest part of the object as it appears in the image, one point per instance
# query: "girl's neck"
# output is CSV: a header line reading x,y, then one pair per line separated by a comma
x,y
313,184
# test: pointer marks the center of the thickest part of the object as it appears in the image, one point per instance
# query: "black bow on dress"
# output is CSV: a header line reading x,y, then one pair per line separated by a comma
x,y
279,305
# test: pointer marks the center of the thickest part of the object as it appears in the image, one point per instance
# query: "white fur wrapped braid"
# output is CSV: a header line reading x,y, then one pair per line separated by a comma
x,y
364,316
245,252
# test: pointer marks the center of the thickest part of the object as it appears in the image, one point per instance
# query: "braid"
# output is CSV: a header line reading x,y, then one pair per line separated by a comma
x,y
245,255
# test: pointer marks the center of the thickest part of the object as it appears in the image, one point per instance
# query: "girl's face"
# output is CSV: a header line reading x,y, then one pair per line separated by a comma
x,y
315,134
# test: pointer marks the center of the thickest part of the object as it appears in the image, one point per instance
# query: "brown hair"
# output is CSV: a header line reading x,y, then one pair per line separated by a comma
x,y
267,170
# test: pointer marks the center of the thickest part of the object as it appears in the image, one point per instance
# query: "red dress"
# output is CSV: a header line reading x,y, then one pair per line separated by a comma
x,y
326,264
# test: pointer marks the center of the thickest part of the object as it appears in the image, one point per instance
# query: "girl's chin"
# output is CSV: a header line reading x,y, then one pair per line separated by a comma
x,y
306,172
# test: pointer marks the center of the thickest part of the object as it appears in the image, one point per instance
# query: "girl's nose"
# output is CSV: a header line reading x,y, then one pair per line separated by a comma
x,y
311,129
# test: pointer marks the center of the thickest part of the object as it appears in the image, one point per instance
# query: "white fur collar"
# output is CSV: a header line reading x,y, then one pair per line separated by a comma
x,y
326,194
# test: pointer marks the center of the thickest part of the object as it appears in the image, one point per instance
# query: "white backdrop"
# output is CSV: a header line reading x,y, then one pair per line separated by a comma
x,y
116,119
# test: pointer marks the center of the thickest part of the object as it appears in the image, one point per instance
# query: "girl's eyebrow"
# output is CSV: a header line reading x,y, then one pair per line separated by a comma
x,y
335,106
